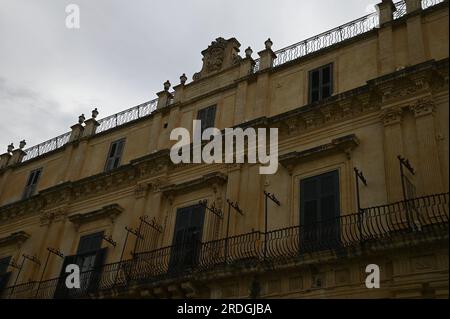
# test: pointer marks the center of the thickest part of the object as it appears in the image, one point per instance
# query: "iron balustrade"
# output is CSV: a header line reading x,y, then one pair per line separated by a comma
x,y
107,123
400,10
408,221
313,44
430,3
339,34
46,147
121,118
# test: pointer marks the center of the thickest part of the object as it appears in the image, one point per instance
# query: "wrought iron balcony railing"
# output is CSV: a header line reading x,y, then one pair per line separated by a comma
x,y
407,222
339,34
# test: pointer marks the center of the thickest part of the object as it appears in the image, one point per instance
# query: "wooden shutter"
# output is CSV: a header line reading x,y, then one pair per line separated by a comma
x,y
321,83
4,275
90,243
31,184
319,211
207,116
187,237
326,78
210,117
95,277
61,289
4,264
115,154
4,278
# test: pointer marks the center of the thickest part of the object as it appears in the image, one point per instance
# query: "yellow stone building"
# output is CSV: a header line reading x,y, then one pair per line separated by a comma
x,y
362,118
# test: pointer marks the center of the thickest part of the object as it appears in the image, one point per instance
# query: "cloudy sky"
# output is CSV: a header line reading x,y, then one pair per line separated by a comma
x,y
124,51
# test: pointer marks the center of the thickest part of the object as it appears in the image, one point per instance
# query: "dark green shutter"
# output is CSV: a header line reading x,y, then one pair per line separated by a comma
x,y
97,271
61,289
187,237
319,211
4,278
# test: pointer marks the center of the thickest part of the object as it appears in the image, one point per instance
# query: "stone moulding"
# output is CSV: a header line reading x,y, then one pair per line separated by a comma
x,y
211,179
343,144
16,238
106,212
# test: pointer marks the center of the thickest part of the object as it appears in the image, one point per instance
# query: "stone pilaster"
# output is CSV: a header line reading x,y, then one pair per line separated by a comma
x,y
164,96
16,157
386,60
179,89
416,46
155,131
90,127
413,6
266,56
232,193
4,159
393,146
385,10
430,168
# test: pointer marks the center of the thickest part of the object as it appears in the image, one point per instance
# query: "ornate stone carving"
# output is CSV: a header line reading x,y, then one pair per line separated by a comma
x,y
423,106
391,116
53,216
141,190
220,55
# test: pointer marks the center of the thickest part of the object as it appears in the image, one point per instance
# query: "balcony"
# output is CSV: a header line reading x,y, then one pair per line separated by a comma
x,y
396,225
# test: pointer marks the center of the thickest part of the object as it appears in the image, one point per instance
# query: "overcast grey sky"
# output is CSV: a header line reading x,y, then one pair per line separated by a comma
x,y
125,50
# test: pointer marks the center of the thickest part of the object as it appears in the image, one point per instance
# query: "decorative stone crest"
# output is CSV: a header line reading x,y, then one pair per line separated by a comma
x,y
220,54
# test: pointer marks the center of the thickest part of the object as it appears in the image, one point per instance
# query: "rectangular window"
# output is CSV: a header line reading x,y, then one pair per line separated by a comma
x,y
114,154
207,116
90,257
4,274
321,83
319,212
30,187
187,237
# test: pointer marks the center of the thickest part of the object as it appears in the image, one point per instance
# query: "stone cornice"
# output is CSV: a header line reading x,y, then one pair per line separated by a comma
x,y
343,144
16,238
106,212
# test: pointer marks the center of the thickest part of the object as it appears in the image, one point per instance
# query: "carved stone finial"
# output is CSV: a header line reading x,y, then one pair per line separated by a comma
x,y
248,52
167,85
94,113
22,144
183,79
81,119
268,44
10,148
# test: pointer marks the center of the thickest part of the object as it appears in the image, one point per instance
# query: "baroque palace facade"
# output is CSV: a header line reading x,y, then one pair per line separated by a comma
x,y
362,118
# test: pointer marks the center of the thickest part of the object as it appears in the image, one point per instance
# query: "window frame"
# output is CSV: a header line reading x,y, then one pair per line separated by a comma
x,y
323,231
112,158
205,124
320,84
185,252
32,182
